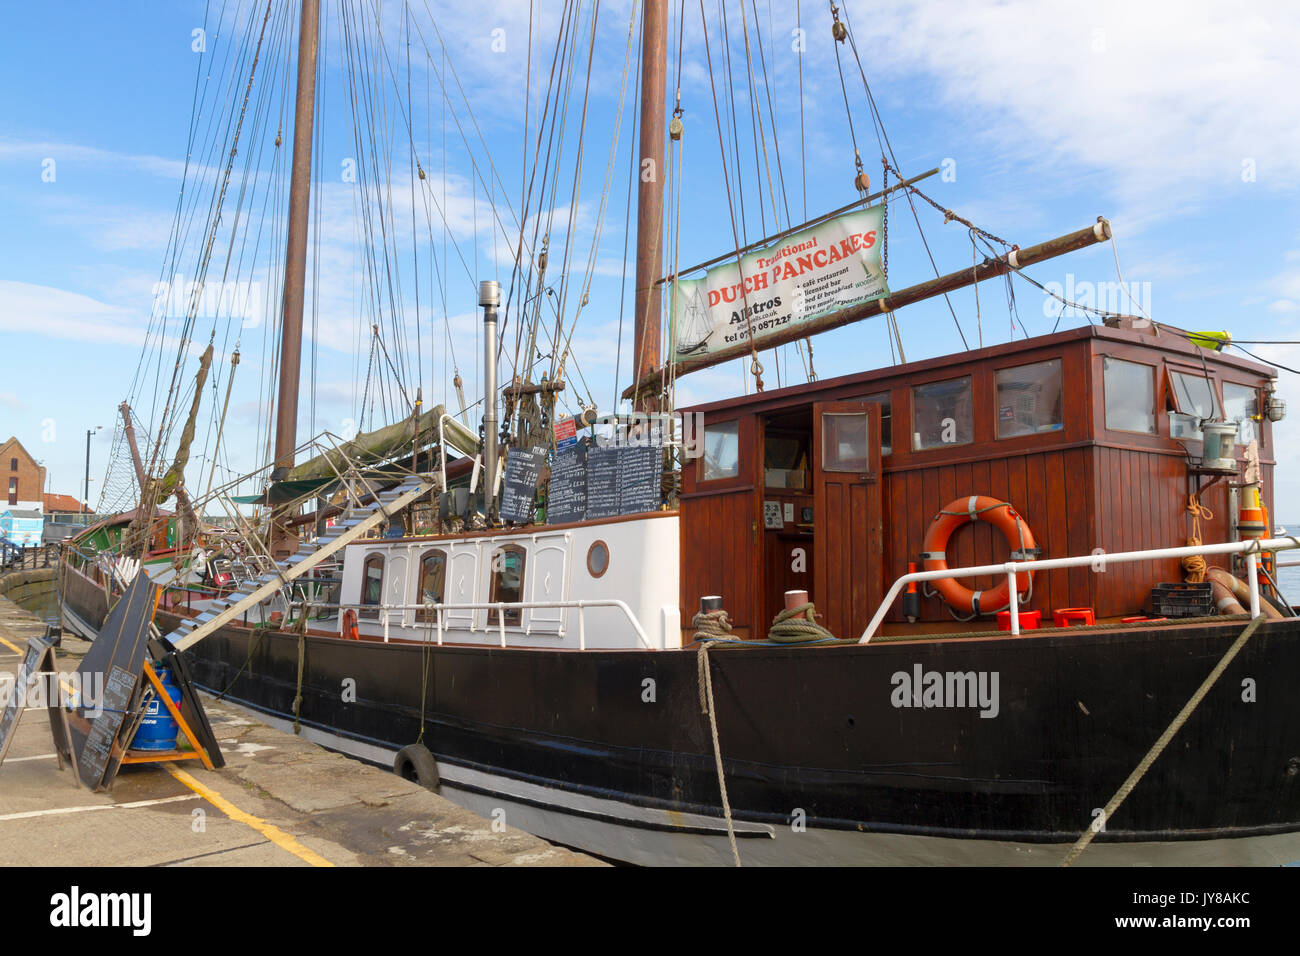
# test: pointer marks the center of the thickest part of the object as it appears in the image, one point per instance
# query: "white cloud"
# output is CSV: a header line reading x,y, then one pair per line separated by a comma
x,y
1168,101
60,314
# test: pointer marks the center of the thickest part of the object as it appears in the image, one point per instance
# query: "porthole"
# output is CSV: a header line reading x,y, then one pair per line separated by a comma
x,y
597,559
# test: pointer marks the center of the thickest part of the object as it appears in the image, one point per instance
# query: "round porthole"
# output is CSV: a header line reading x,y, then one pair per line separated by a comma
x,y
597,559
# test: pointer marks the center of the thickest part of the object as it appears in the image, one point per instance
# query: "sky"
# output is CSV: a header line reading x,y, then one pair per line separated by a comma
x,y
1175,121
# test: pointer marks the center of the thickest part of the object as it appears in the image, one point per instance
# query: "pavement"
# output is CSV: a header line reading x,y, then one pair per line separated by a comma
x,y
279,801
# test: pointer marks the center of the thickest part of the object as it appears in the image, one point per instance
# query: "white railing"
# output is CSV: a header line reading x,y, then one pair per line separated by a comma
x,y
501,606
1097,562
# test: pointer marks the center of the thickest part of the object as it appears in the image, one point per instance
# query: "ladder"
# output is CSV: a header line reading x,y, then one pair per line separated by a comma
x,y
252,592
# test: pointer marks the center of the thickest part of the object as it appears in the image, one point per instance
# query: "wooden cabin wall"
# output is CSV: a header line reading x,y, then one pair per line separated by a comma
x,y
1080,488
721,550
1049,490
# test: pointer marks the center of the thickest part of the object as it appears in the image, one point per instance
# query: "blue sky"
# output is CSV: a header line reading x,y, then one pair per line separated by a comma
x,y
1176,121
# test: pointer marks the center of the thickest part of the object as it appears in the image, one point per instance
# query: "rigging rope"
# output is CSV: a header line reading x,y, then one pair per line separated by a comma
x,y
1108,811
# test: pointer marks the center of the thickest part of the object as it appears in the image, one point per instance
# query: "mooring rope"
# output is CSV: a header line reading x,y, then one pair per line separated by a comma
x,y
1158,747
297,699
711,625
796,625
705,680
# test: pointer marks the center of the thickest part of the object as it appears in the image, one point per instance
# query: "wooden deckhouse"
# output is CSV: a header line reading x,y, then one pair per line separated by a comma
x,y
1092,434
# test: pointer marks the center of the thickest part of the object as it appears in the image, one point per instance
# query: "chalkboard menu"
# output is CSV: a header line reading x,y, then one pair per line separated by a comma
x,y
567,498
519,488
39,658
640,469
97,748
623,480
118,653
602,482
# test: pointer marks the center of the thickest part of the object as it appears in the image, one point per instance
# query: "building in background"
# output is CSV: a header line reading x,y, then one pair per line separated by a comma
x,y
23,478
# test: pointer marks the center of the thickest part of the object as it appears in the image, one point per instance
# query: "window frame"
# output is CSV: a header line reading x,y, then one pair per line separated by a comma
x,y
997,405
513,616
704,454
369,609
1155,396
1173,397
1259,405
974,439
425,614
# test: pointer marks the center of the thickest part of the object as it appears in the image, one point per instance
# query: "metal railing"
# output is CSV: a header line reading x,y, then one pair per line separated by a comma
x,y
25,557
502,606
1251,549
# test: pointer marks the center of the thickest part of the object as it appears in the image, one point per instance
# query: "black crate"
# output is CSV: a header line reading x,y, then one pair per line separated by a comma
x,y
1182,600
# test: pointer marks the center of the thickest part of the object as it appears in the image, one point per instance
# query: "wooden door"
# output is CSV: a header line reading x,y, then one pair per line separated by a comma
x,y
848,568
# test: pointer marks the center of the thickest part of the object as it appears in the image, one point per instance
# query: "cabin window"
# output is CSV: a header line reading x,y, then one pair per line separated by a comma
x,y
721,451
372,584
1029,399
1130,390
598,559
886,420
13,464
1241,404
942,414
507,583
1194,402
433,579
846,440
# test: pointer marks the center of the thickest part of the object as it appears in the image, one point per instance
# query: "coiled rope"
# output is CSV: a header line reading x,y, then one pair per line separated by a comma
x,y
711,625
1194,566
1158,747
796,625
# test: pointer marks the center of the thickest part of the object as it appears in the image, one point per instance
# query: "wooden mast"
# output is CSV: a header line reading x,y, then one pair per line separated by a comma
x,y
650,201
283,540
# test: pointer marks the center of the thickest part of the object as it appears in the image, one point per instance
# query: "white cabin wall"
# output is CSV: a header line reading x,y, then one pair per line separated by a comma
x,y
643,573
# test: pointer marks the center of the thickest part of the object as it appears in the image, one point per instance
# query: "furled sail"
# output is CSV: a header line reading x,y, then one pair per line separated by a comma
x,y
389,442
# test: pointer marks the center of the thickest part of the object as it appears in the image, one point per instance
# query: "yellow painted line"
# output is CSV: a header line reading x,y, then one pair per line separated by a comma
x,y
13,647
277,836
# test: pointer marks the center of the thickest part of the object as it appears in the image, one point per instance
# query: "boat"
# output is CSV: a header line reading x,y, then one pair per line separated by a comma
x,y
779,628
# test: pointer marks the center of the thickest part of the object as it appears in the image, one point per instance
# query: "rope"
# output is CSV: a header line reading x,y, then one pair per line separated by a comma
x,y
297,699
1109,626
1194,565
1127,787
705,678
711,625
798,624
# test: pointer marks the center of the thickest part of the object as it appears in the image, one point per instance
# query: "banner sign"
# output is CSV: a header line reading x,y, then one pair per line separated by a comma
x,y
823,269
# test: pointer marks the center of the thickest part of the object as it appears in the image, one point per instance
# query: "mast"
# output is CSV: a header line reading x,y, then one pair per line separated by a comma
x,y
650,199
295,265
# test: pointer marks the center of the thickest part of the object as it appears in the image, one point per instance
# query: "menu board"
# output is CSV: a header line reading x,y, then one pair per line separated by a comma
x,y
119,654
519,489
640,470
567,497
622,480
39,658
97,748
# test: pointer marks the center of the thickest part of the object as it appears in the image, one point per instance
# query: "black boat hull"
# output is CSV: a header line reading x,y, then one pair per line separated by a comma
x,y
825,740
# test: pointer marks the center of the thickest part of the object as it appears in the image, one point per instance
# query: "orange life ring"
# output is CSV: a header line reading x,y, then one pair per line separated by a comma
x,y
1002,516
350,629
